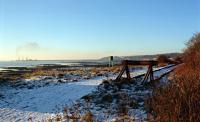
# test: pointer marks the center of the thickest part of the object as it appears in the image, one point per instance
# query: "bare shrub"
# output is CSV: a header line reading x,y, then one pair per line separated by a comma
x,y
163,60
179,59
88,117
179,101
192,53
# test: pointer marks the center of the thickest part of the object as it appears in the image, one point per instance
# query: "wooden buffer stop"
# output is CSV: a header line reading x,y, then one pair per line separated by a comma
x,y
149,74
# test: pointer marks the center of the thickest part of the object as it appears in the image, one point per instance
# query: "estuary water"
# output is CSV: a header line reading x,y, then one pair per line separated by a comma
x,y
4,64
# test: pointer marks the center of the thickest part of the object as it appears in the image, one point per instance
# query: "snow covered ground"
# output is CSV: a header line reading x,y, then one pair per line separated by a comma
x,y
47,99
39,103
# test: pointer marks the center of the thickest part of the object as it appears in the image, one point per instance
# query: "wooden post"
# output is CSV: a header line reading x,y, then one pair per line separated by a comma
x,y
121,73
127,72
149,74
124,69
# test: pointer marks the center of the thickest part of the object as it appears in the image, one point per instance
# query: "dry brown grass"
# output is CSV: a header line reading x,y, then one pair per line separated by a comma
x,y
80,71
180,100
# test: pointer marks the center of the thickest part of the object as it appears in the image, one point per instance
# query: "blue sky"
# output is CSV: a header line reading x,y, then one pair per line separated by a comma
x,y
87,29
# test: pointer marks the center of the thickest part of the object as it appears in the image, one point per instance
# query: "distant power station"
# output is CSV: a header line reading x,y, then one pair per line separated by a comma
x,y
25,59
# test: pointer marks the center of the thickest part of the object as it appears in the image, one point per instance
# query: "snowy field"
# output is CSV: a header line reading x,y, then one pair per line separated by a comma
x,y
47,99
39,103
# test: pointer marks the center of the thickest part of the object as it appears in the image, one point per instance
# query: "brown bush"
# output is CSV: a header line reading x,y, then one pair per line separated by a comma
x,y
163,60
179,59
179,101
192,53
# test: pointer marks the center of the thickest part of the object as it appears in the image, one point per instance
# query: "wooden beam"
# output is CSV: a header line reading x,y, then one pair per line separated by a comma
x,y
144,62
